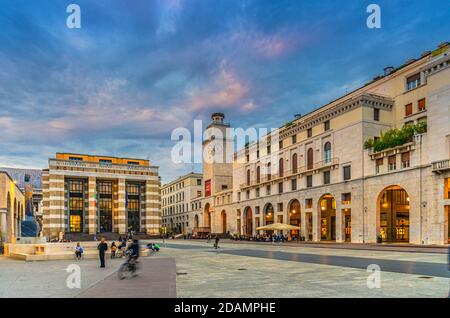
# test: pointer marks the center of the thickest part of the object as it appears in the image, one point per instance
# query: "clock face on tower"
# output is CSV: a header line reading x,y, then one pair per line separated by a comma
x,y
211,150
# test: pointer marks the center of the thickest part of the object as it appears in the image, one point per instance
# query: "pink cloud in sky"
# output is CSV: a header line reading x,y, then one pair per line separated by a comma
x,y
227,90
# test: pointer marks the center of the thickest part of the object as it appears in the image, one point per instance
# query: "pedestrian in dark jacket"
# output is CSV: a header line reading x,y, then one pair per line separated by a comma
x,y
216,243
102,248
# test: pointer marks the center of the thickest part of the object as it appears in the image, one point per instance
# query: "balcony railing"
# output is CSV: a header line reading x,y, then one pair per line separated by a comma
x,y
94,165
290,173
440,166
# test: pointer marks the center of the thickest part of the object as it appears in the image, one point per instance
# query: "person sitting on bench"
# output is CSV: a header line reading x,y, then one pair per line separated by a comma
x,y
78,251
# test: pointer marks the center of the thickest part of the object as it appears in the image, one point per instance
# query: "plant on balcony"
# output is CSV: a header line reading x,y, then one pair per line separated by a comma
x,y
395,137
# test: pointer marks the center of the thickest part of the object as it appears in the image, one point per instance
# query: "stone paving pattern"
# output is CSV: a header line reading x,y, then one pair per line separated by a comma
x,y
205,272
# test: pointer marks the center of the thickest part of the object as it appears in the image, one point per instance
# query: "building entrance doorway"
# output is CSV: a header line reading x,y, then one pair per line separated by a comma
x,y
295,218
248,221
347,225
447,223
393,205
327,210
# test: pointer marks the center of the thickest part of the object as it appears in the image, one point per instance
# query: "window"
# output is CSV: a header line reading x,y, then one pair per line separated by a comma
x,y
76,204
447,188
309,182
75,158
346,198
347,173
294,184
247,158
268,190
258,174
269,172
310,159
256,209
105,161
326,177
422,104
308,203
239,196
133,163
392,163
281,167
199,182
257,192
248,177
327,152
405,160
408,109
247,194
413,81
294,139
268,149
326,125
224,186
76,186
376,114
309,132
280,187
294,163
27,178
280,207
257,154
280,144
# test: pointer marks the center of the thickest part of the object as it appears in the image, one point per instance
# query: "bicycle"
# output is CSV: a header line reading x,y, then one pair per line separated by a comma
x,y
129,268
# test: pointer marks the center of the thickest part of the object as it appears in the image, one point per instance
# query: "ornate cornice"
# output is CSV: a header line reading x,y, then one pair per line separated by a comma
x,y
363,100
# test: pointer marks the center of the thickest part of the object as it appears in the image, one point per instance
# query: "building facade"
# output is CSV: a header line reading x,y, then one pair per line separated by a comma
x,y
97,194
30,182
179,199
12,208
371,165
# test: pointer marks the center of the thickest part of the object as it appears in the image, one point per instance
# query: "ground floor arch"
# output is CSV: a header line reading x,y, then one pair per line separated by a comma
x,y
393,206
327,212
207,216
268,214
294,216
196,221
223,218
248,221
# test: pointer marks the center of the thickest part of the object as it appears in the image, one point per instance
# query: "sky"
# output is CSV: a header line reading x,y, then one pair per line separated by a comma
x,y
136,70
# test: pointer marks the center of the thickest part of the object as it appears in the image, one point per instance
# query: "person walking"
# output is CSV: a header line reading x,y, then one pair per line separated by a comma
x,y
102,248
216,242
113,249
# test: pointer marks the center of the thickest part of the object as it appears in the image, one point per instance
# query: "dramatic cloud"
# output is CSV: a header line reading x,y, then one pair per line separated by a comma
x,y
137,70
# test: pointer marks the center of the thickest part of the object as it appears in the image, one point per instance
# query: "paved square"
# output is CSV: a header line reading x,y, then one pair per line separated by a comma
x,y
253,270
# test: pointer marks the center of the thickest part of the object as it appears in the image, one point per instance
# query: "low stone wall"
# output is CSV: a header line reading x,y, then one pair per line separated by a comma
x,y
54,251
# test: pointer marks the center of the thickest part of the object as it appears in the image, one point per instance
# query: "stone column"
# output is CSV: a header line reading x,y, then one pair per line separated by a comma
x,y
121,210
55,217
316,216
152,214
303,226
3,228
92,210
340,225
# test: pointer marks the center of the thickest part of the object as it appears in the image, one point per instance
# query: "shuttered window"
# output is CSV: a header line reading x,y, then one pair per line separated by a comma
x,y
405,160
421,104
408,109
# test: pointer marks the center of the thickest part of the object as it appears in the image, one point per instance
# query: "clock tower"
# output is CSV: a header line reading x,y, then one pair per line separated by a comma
x,y
217,156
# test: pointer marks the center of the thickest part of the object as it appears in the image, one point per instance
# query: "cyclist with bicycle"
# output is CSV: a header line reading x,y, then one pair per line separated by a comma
x,y
133,250
130,266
